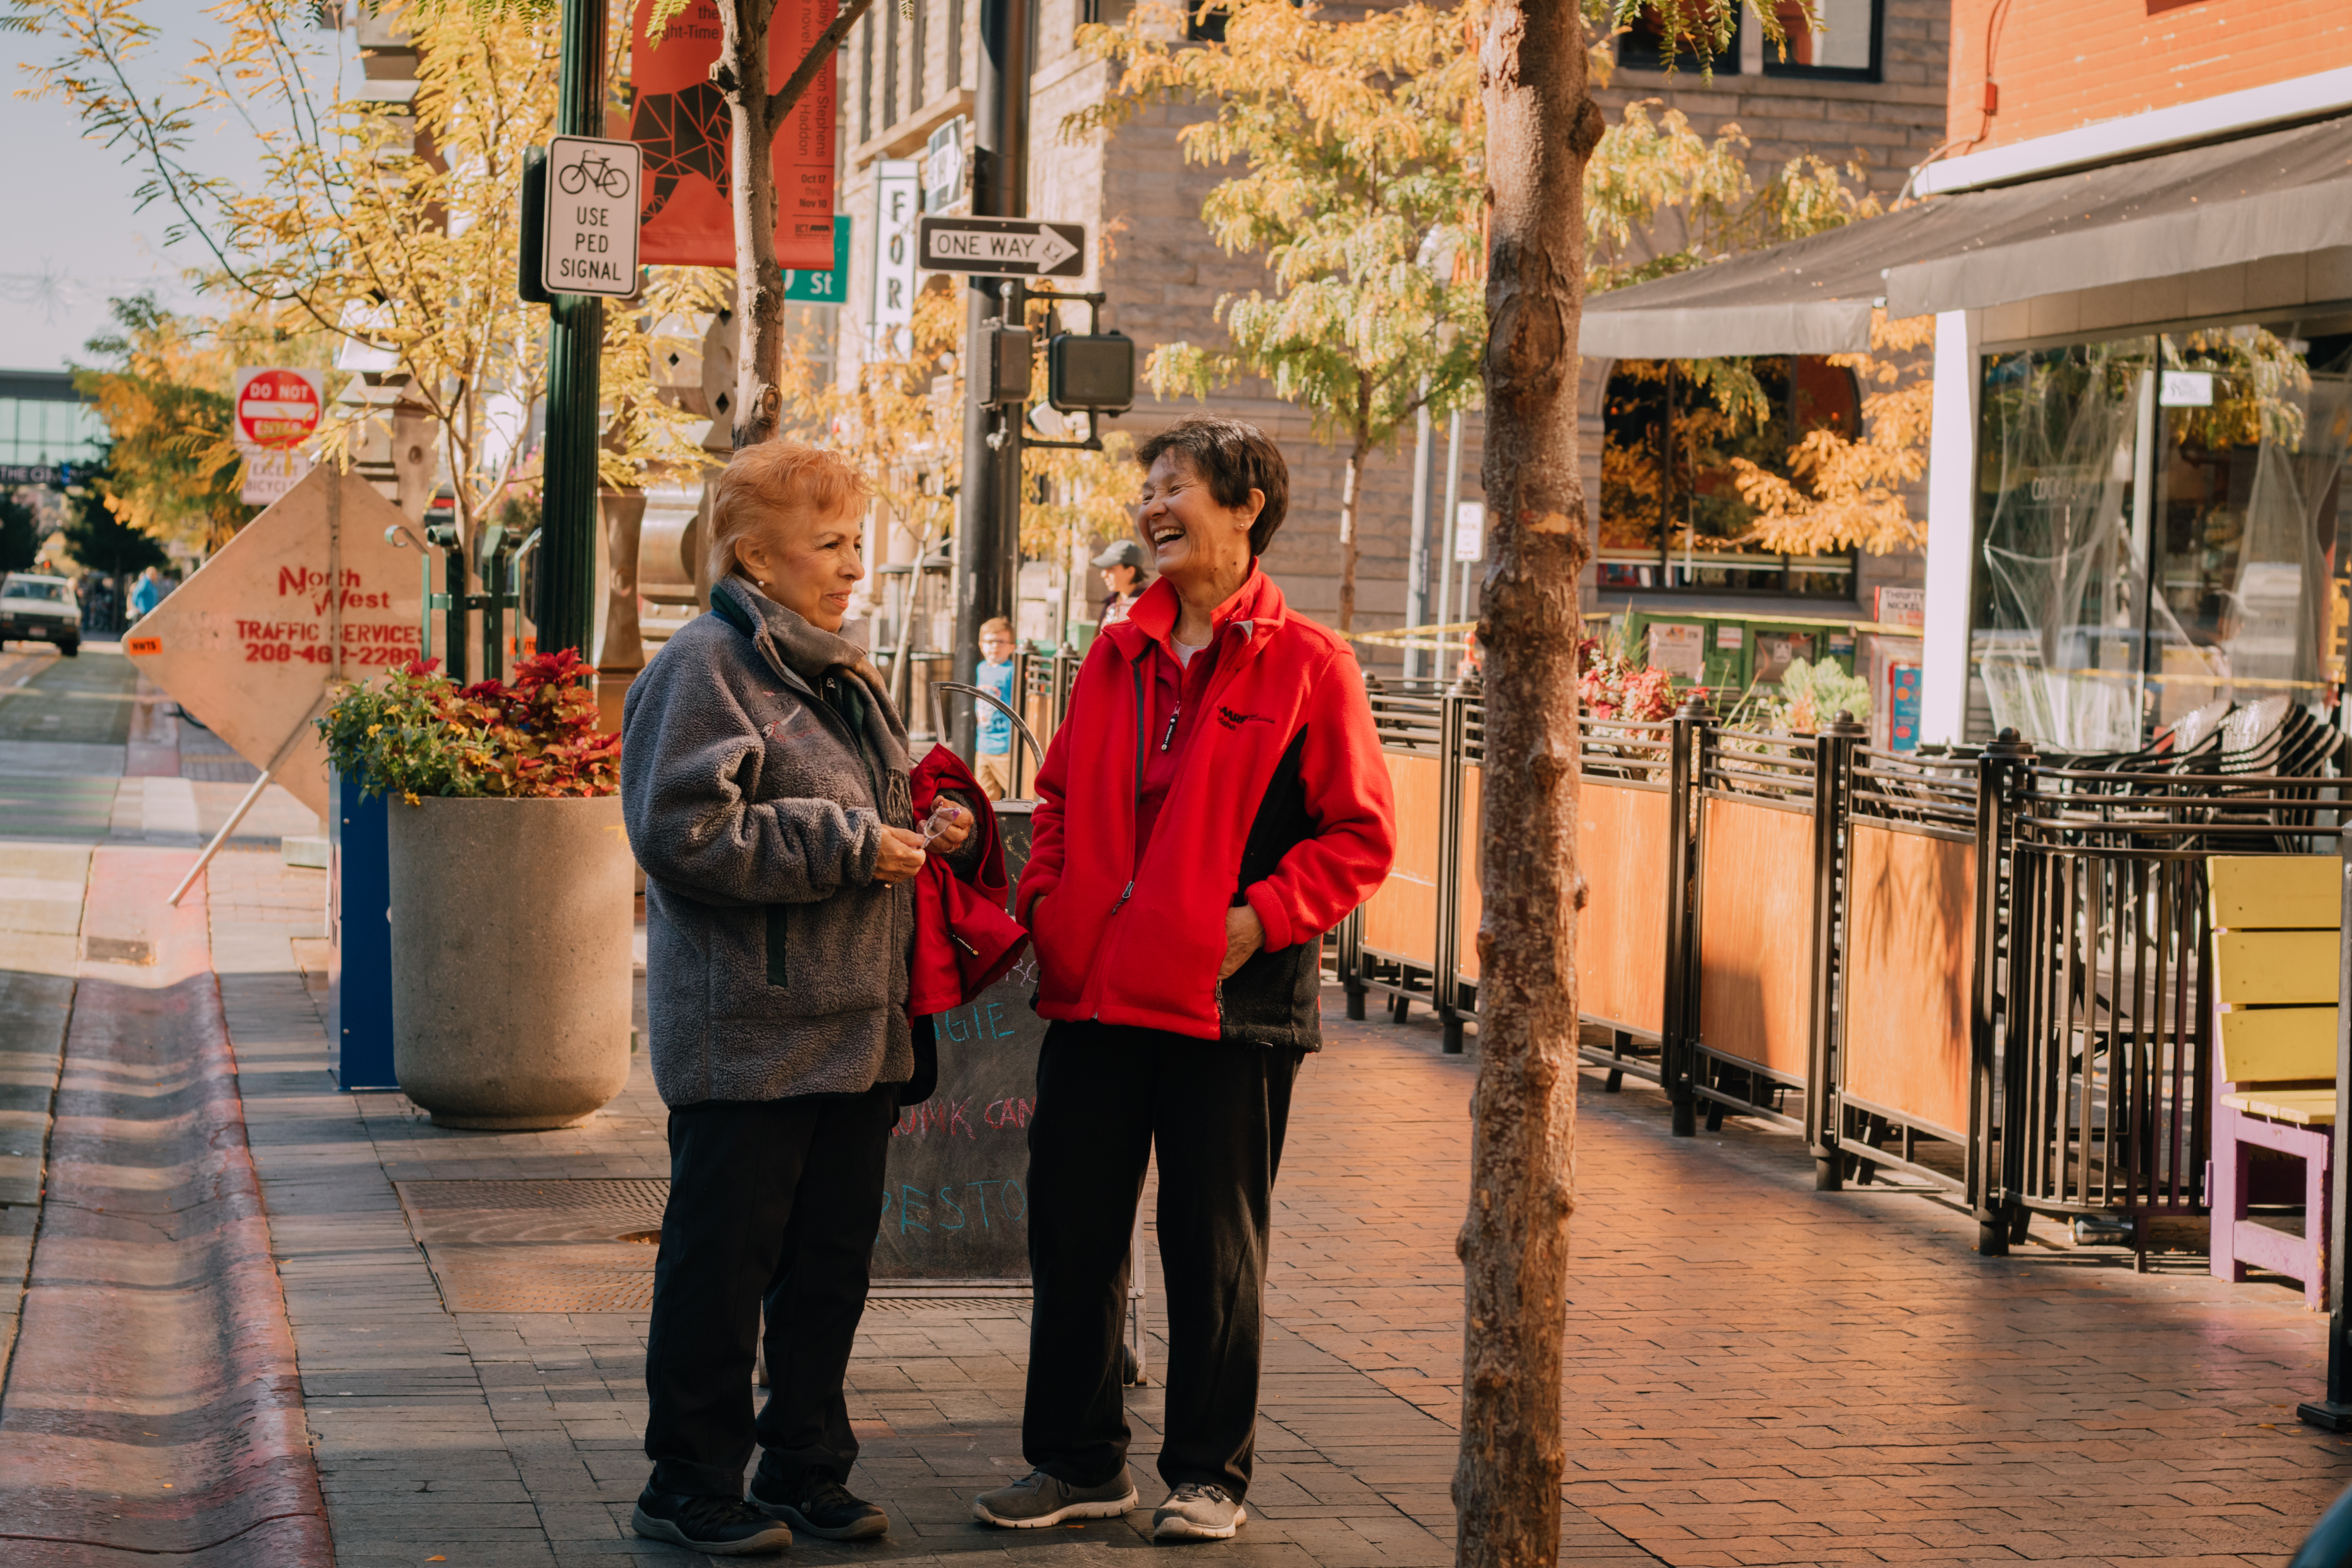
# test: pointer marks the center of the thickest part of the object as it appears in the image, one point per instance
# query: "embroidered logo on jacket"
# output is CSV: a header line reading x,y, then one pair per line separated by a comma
x,y
1234,721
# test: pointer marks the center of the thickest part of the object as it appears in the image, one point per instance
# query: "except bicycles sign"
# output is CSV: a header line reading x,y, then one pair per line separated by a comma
x,y
591,216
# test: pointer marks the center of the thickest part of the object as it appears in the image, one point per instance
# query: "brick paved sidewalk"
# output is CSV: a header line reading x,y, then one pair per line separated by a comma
x,y
1759,1373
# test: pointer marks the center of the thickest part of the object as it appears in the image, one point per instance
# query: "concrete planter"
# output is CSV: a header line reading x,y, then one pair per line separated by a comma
x,y
510,961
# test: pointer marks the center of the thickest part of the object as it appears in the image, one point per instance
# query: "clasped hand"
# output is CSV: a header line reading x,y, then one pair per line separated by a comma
x,y
903,849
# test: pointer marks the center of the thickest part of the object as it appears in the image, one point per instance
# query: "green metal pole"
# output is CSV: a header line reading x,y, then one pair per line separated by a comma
x,y
567,548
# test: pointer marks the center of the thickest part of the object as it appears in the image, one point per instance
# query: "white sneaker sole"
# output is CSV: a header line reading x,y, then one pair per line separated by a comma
x,y
1110,1509
1176,1527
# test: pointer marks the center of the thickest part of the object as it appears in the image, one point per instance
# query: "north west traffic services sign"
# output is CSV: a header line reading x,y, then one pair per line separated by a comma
x,y
1004,247
591,245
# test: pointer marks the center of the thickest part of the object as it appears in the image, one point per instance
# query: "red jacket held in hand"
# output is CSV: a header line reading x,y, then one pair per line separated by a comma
x,y
1280,800
964,942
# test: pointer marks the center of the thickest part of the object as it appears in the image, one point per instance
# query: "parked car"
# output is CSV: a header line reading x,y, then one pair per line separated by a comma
x,y
40,609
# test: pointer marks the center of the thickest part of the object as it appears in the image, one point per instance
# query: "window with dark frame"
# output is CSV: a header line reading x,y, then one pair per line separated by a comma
x,y
1845,47
865,77
1671,512
1642,47
1204,22
917,47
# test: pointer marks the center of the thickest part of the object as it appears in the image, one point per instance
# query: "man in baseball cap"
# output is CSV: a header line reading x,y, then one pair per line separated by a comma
x,y
1123,570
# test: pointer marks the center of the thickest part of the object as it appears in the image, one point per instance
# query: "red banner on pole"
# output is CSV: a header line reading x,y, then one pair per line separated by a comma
x,y
679,118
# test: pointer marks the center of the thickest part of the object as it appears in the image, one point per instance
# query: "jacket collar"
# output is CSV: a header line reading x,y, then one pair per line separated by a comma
x,y
1256,604
799,648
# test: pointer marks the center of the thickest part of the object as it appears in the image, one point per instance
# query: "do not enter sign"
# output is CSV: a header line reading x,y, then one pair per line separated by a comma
x,y
278,410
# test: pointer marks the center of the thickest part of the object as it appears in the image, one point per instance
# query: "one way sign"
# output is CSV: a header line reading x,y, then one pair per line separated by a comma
x,y
1004,247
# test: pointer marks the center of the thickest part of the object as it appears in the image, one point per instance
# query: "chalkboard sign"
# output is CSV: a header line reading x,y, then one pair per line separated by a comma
x,y
956,1204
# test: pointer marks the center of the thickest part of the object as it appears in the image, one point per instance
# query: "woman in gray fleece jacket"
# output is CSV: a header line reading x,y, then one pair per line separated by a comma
x,y
763,778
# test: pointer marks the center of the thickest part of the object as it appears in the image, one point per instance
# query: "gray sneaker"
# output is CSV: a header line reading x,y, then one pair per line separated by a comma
x,y
1196,1511
1037,1499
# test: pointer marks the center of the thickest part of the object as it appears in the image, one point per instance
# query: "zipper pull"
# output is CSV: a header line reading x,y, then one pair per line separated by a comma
x,y
1170,738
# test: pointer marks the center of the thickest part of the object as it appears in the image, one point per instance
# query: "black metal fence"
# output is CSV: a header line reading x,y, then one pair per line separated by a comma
x,y
1973,974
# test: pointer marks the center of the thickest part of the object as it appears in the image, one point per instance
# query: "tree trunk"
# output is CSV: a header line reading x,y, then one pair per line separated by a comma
x,y
742,76
1352,493
1540,127
753,113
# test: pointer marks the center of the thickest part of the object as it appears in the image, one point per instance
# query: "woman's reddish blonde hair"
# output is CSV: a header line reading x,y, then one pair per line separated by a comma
x,y
782,476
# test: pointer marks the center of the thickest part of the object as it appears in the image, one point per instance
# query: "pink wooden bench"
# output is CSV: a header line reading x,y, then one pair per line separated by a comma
x,y
2275,961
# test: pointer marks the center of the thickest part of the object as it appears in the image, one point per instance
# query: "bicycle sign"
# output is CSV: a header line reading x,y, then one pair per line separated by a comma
x,y
591,216
596,170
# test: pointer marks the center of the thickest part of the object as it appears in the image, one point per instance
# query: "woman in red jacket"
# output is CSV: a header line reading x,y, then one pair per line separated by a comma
x,y
1214,803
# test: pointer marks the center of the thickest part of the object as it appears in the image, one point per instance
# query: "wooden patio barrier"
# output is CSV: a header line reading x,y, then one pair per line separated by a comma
x,y
1965,973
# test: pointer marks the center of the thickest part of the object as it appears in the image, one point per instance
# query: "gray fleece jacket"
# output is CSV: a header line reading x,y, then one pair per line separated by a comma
x,y
775,965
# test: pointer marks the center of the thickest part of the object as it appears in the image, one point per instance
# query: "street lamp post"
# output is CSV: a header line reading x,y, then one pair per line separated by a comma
x,y
988,511
565,610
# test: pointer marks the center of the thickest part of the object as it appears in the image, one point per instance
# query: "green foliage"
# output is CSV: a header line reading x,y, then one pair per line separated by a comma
x,y
98,539
20,539
161,383
1810,696
1361,187
421,733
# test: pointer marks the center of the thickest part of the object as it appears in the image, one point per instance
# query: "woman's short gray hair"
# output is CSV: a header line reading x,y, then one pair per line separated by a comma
x,y
1232,459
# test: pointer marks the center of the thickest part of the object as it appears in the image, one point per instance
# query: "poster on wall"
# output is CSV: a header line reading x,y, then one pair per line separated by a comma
x,y
680,121
1902,707
1679,650
1776,651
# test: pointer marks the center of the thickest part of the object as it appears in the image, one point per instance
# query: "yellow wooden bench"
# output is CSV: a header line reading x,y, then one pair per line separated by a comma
x,y
2277,955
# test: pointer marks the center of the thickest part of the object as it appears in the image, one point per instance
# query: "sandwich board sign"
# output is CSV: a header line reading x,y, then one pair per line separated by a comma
x,y
309,595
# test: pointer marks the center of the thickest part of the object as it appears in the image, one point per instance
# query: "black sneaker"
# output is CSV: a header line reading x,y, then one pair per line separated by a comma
x,y
825,1508
721,1526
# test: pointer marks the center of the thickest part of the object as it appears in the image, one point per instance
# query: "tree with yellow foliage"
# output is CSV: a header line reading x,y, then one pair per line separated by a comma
x,y
160,383
391,230
1845,492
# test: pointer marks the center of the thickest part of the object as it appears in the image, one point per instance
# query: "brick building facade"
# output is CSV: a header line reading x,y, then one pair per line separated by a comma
x,y
902,80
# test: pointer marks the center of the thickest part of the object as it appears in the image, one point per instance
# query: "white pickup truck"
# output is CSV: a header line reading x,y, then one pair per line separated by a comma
x,y
40,609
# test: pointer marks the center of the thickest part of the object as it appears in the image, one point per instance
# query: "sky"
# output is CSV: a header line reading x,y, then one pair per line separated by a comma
x,y
73,234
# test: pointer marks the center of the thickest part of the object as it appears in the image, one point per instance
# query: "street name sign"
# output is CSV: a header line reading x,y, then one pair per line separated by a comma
x,y
591,245
804,286
1004,247
247,644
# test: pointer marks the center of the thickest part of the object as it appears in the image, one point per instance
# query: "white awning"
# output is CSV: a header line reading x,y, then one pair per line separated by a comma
x,y
2282,194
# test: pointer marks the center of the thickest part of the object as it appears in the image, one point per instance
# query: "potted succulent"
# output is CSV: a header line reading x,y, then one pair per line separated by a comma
x,y
512,889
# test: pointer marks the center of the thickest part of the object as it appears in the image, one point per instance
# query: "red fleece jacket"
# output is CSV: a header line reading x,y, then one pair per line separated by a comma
x,y
1281,800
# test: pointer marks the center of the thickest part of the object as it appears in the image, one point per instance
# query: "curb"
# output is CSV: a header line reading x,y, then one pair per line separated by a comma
x,y
153,1405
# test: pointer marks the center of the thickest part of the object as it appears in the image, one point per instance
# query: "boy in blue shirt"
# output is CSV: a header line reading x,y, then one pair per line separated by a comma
x,y
992,738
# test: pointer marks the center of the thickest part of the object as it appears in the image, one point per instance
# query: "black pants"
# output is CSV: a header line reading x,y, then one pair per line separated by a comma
x,y
773,1202
1106,1096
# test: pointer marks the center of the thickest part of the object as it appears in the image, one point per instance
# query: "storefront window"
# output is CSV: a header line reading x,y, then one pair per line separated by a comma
x,y
2156,533
1671,513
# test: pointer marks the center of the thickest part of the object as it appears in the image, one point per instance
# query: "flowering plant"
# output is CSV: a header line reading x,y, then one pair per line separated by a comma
x,y
1614,687
1810,696
422,733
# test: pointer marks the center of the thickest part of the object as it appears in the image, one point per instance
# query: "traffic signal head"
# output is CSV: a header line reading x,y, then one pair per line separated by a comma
x,y
1000,359
1090,373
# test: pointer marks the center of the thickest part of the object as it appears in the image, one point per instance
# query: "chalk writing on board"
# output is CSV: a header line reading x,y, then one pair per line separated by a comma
x,y
959,1118
957,1205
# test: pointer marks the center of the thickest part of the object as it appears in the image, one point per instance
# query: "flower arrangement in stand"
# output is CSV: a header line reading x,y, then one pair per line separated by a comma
x,y
1613,685
512,888
421,734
